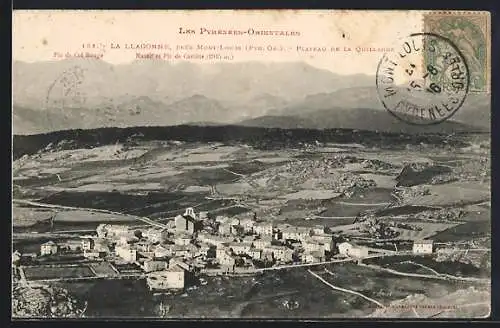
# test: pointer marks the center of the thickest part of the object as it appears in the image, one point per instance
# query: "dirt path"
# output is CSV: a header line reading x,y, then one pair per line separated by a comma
x,y
144,219
422,266
440,276
363,204
333,217
238,174
304,265
347,290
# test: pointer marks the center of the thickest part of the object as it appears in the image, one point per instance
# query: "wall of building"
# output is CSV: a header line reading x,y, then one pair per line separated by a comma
x,y
48,249
358,252
126,253
344,248
182,241
422,248
150,266
171,279
87,244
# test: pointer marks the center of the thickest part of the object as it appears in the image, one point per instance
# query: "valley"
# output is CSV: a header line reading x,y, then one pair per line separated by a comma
x,y
382,198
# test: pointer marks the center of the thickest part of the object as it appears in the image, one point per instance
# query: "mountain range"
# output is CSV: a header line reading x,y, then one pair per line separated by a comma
x,y
146,93
356,119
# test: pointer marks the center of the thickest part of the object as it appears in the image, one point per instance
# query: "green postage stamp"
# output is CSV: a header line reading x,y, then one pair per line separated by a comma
x,y
470,32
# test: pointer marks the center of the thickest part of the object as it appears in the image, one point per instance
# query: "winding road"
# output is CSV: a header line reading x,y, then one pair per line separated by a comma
x,y
141,218
346,290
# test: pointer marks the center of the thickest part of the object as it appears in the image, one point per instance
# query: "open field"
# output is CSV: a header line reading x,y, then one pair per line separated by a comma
x,y
465,231
236,188
102,269
38,273
430,265
454,193
312,194
334,224
86,216
429,230
28,216
382,181
264,296
114,298
115,186
162,180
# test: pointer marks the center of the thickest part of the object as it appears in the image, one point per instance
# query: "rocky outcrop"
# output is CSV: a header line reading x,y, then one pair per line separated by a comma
x,y
479,259
378,229
45,302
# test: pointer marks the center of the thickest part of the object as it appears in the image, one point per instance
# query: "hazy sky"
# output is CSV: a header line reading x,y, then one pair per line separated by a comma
x,y
38,34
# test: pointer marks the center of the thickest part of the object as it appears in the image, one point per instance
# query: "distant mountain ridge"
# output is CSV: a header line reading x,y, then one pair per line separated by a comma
x,y
476,110
226,82
140,111
357,119
146,93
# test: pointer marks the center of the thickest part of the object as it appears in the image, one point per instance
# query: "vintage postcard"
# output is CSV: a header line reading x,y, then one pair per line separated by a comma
x,y
269,164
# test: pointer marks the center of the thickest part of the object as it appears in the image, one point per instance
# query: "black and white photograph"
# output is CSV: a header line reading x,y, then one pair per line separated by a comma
x,y
251,164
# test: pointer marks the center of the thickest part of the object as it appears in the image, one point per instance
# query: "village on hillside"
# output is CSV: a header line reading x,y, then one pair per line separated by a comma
x,y
194,244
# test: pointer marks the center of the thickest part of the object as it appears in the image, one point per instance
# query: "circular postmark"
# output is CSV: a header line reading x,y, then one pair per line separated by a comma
x,y
424,81
65,93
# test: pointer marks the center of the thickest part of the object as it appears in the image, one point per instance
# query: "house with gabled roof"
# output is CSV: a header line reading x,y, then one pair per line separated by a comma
x,y
423,246
49,248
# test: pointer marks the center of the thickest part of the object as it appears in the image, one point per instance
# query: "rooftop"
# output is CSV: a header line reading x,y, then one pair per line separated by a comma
x,y
263,224
189,247
183,236
276,247
205,245
211,237
264,238
124,246
155,230
117,226
295,229
425,242
221,218
187,217
323,236
313,241
173,268
235,243
71,242
345,243
316,254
